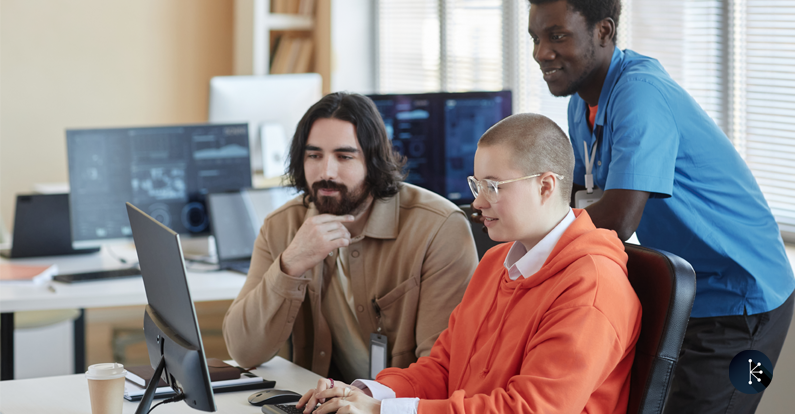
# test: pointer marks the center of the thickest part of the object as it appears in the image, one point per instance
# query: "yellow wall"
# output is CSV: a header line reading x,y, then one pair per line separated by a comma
x,y
100,63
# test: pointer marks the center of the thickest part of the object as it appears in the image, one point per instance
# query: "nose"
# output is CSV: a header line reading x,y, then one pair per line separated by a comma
x,y
480,202
542,52
330,168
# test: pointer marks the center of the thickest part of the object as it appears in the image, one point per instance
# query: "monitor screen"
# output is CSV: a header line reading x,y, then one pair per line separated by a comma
x,y
237,216
272,105
439,132
166,171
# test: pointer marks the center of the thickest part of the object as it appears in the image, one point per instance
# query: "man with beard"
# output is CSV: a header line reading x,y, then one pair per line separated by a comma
x,y
651,161
358,255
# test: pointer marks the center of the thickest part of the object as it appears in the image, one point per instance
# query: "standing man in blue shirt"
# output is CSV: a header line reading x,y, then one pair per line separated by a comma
x,y
656,164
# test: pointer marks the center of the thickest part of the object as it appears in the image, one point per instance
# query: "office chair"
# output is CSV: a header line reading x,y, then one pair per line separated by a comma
x,y
482,241
666,287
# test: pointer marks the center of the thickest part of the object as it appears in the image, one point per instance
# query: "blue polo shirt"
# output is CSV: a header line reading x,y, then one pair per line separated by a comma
x,y
705,204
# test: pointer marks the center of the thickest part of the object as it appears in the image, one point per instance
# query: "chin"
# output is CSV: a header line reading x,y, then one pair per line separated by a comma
x,y
498,236
561,92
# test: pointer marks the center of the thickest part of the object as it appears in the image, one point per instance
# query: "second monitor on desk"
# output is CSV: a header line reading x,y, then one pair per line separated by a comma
x,y
167,171
439,132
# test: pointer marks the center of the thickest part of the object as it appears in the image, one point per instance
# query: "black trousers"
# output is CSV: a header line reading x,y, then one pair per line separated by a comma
x,y
701,381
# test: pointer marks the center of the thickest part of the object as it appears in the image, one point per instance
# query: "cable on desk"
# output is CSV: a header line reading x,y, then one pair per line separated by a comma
x,y
120,259
178,397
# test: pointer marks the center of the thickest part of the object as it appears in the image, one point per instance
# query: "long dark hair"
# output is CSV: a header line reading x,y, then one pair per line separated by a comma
x,y
384,165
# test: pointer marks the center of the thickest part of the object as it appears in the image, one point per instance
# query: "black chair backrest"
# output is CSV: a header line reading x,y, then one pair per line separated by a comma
x,y
666,286
482,240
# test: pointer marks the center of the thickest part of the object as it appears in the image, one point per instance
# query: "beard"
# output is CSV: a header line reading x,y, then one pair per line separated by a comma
x,y
577,84
345,203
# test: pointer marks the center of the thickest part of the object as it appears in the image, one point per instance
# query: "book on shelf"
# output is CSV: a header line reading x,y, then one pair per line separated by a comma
x,y
307,7
292,54
304,61
304,7
18,273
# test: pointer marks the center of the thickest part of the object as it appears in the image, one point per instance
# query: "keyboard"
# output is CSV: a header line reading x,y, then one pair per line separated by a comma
x,y
100,275
241,266
282,409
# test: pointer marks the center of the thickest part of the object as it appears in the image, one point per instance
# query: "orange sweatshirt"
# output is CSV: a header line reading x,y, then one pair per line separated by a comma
x,y
559,341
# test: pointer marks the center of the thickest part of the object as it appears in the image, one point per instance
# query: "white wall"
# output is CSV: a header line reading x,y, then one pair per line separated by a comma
x,y
352,44
98,63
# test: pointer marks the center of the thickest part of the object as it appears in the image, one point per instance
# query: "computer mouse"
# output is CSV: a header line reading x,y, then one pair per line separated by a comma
x,y
273,396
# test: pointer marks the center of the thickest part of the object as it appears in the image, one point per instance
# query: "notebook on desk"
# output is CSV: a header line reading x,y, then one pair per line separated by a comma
x,y
41,227
235,219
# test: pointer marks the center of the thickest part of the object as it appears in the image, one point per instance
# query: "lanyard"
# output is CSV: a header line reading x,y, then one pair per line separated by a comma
x,y
589,162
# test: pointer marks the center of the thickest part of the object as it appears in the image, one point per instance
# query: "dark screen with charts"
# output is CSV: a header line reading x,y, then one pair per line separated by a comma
x,y
165,171
439,132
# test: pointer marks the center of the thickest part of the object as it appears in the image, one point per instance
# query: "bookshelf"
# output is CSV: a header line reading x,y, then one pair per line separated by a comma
x,y
268,40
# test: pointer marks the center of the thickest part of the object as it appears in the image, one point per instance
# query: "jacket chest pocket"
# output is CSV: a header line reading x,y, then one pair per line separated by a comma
x,y
398,314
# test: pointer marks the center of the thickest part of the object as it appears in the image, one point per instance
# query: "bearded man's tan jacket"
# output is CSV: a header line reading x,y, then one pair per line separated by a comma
x,y
407,273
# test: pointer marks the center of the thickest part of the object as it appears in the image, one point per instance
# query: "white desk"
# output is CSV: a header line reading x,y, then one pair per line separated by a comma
x,y
204,286
69,394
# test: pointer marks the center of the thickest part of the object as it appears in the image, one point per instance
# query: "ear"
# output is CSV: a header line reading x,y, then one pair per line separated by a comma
x,y
606,31
547,185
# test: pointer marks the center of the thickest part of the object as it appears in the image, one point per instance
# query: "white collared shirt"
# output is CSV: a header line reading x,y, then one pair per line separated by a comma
x,y
521,262
518,262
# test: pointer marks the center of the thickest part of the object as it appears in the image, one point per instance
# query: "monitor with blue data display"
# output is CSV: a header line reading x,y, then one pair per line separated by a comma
x,y
439,132
167,171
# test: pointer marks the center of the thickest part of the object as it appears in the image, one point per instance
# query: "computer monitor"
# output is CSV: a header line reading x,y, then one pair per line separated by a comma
x,y
236,218
439,132
170,325
41,227
166,170
272,105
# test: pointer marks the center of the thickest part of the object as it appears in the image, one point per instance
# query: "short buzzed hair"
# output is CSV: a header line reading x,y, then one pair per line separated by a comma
x,y
594,11
538,145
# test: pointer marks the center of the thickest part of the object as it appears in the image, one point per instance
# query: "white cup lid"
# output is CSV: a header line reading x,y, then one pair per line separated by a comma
x,y
106,371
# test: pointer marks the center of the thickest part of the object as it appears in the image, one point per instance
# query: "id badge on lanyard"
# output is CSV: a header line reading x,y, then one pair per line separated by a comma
x,y
590,195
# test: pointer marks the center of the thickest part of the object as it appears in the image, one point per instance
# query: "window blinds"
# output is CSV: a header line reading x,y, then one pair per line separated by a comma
x,y
472,51
440,45
770,104
686,36
409,48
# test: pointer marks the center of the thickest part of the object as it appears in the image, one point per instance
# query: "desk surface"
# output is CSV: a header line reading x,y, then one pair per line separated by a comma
x,y
69,394
204,286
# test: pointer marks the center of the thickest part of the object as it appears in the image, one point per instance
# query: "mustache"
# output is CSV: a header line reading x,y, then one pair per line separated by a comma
x,y
328,185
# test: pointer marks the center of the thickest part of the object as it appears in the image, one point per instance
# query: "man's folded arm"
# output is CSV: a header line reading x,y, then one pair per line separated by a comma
x,y
261,318
449,263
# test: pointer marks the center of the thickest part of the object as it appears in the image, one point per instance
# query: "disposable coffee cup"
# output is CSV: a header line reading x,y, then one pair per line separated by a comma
x,y
106,387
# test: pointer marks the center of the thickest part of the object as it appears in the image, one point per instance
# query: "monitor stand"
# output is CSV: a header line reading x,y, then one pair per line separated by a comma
x,y
149,394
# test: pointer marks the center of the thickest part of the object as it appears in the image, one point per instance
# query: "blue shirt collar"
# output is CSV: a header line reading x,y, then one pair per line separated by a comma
x,y
604,96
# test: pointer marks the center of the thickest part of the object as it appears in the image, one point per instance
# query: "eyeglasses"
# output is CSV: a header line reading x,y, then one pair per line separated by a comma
x,y
490,188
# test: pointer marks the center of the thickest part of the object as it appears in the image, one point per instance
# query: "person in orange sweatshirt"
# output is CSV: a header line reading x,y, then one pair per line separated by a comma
x,y
548,323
